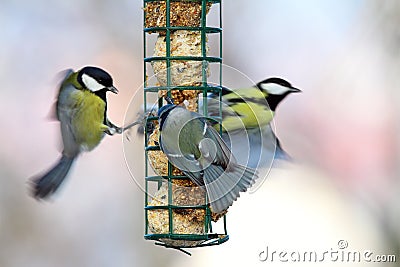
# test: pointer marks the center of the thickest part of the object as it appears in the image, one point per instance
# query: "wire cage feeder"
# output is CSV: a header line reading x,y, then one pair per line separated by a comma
x,y
177,214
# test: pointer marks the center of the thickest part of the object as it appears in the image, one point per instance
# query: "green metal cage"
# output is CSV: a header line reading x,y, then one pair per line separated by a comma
x,y
209,237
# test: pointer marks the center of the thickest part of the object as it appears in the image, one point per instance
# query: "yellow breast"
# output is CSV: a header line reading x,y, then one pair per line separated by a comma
x,y
88,120
247,116
251,114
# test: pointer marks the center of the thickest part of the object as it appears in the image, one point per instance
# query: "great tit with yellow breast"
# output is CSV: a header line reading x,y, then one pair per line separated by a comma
x,y
81,108
197,149
252,107
246,120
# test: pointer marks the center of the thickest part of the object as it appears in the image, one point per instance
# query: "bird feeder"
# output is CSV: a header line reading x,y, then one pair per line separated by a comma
x,y
177,33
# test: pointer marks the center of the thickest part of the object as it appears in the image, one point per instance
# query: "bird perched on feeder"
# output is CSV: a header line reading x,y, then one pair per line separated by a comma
x,y
81,108
246,117
196,148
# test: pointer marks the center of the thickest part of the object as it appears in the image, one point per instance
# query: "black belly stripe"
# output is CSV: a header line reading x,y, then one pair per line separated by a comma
x,y
103,95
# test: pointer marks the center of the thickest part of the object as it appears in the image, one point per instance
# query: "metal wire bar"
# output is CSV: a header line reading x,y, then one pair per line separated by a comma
x,y
208,238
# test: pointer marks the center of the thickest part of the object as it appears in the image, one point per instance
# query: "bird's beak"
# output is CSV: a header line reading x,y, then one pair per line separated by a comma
x,y
295,90
113,89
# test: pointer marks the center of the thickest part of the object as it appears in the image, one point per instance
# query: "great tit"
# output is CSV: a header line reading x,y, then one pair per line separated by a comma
x,y
252,107
81,108
196,148
246,117
246,120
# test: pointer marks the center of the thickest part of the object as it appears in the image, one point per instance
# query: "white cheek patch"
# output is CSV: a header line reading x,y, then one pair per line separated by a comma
x,y
91,83
274,89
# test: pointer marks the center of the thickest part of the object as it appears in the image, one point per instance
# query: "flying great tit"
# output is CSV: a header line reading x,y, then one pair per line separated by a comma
x,y
196,148
81,108
246,120
252,107
246,117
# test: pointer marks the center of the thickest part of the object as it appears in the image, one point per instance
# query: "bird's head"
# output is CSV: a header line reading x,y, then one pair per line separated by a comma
x,y
275,90
96,79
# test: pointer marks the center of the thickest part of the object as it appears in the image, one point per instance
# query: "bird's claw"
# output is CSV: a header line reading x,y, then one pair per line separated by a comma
x,y
119,130
114,130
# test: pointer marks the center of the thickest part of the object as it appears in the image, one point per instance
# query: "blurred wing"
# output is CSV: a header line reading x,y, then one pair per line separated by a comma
x,y
214,105
52,115
66,109
60,77
59,80
63,75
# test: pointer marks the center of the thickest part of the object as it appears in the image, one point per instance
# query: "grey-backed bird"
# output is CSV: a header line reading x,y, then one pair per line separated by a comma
x,y
196,148
81,109
246,120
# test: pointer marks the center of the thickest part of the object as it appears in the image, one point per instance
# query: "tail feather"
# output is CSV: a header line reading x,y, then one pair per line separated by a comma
x,y
224,187
46,185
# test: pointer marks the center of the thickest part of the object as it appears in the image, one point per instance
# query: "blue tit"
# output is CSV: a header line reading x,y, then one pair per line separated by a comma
x,y
196,148
246,117
81,108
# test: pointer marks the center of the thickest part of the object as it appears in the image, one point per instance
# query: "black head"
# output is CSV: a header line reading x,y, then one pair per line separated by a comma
x,y
163,113
276,89
96,79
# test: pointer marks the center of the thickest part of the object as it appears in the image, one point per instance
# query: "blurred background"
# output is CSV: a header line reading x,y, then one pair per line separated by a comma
x,y
343,131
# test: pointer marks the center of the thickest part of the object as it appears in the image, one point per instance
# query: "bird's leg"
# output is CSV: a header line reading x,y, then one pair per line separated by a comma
x,y
142,120
112,128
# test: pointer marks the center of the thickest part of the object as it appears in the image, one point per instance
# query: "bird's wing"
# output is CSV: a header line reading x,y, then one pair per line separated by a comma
x,y
224,187
241,108
66,110
223,155
213,104
188,163
224,179
61,77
